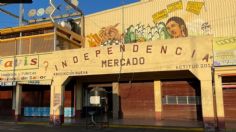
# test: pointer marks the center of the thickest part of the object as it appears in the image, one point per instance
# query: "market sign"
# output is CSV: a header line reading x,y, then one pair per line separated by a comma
x,y
10,83
190,53
19,62
224,51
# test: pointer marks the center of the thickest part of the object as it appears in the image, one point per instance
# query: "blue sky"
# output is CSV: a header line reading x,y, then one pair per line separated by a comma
x,y
87,6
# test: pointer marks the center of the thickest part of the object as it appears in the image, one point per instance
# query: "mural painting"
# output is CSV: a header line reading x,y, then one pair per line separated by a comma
x,y
163,27
107,36
175,27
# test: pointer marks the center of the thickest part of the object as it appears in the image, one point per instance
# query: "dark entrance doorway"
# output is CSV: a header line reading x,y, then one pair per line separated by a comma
x,y
69,100
86,98
6,98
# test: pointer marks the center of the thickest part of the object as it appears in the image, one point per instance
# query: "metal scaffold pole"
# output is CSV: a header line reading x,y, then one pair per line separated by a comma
x,y
21,13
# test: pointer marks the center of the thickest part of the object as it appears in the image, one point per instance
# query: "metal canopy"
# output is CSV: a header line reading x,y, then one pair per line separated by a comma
x,y
20,16
12,15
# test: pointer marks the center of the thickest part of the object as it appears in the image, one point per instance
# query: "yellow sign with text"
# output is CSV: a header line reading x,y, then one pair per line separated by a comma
x,y
224,51
19,62
160,15
175,6
194,7
225,43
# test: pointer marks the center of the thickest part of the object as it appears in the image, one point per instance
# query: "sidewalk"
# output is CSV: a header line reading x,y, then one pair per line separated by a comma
x,y
119,123
112,122
125,123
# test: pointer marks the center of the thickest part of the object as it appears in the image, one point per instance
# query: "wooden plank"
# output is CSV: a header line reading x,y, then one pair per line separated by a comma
x,y
26,28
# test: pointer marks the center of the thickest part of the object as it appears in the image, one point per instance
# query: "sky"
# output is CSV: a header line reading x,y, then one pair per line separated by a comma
x,y
87,6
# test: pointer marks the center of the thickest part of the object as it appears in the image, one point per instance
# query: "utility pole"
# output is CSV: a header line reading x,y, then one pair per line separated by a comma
x,y
21,13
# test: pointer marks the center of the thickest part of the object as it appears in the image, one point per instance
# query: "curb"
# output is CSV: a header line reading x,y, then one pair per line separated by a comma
x,y
192,129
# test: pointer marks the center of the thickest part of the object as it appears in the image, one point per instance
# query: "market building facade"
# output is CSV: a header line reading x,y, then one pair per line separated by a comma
x,y
174,63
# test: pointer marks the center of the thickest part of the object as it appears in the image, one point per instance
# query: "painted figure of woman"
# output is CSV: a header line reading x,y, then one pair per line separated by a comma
x,y
177,27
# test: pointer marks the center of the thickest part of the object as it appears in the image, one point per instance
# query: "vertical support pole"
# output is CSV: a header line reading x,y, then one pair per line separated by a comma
x,y
158,99
83,26
13,100
219,103
57,105
61,114
78,99
116,100
52,93
18,102
55,38
21,13
207,105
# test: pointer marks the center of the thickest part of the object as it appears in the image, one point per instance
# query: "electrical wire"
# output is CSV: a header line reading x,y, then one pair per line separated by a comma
x,y
123,30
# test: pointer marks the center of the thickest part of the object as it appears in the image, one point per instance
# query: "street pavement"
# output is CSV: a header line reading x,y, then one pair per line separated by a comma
x,y
13,127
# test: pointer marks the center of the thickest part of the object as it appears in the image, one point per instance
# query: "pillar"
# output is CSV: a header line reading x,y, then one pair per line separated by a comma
x,y
78,99
219,103
116,100
207,105
18,102
57,105
158,99
13,100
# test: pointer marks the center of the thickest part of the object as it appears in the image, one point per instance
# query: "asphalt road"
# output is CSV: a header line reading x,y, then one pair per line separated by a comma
x,y
12,127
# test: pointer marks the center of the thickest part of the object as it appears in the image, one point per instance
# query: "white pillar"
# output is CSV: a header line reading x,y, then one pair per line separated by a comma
x,y
57,104
158,99
207,105
18,102
116,100
14,98
219,102
78,98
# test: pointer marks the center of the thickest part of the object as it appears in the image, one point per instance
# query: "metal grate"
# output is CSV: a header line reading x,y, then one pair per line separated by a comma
x,y
182,100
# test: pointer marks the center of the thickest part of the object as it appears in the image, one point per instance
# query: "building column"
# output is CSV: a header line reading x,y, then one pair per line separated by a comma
x,y
57,105
18,102
158,99
13,100
116,100
78,99
207,105
219,103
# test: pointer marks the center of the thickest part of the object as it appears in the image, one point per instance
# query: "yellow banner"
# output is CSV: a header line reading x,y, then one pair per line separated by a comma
x,y
19,63
224,51
224,43
194,7
175,6
160,15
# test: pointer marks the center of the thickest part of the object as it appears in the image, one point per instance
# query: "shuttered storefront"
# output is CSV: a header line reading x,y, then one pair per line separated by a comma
x,y
69,99
6,101
181,100
230,103
36,100
137,100
229,97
